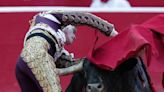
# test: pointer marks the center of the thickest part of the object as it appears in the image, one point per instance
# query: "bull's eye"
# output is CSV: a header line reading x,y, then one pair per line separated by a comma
x,y
89,87
85,75
99,86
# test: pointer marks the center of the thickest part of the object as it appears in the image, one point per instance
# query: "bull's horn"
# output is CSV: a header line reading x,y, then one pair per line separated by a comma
x,y
74,68
89,19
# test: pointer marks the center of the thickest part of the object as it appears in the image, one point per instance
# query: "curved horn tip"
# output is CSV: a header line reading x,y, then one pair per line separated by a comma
x,y
74,68
113,33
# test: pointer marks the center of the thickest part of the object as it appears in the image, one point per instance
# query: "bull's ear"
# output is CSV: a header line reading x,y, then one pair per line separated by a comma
x,y
86,64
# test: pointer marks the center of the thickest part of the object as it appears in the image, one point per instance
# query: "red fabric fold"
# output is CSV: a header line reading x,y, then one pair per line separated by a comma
x,y
147,37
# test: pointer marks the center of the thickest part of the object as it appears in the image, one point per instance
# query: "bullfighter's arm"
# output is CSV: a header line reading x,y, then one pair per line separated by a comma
x,y
35,54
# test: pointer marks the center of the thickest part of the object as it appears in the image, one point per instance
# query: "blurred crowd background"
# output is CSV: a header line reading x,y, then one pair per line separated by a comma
x,y
84,3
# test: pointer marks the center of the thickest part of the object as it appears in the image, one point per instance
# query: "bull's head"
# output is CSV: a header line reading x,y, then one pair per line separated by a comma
x,y
94,78
89,77
130,76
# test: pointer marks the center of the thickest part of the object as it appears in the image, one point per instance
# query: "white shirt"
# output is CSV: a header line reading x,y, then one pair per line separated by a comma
x,y
110,3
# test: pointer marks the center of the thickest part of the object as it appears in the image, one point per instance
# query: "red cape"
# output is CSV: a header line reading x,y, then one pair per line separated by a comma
x,y
147,37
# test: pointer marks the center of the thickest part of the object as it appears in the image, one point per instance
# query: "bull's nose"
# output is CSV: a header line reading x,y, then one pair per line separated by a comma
x,y
96,87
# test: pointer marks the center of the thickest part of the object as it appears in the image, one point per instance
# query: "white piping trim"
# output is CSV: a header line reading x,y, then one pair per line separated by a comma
x,y
49,29
49,16
82,9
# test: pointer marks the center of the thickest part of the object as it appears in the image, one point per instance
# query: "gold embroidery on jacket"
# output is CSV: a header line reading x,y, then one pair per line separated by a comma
x,y
58,47
35,54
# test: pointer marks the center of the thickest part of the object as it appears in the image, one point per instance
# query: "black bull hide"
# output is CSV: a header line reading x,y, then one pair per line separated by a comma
x,y
130,76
